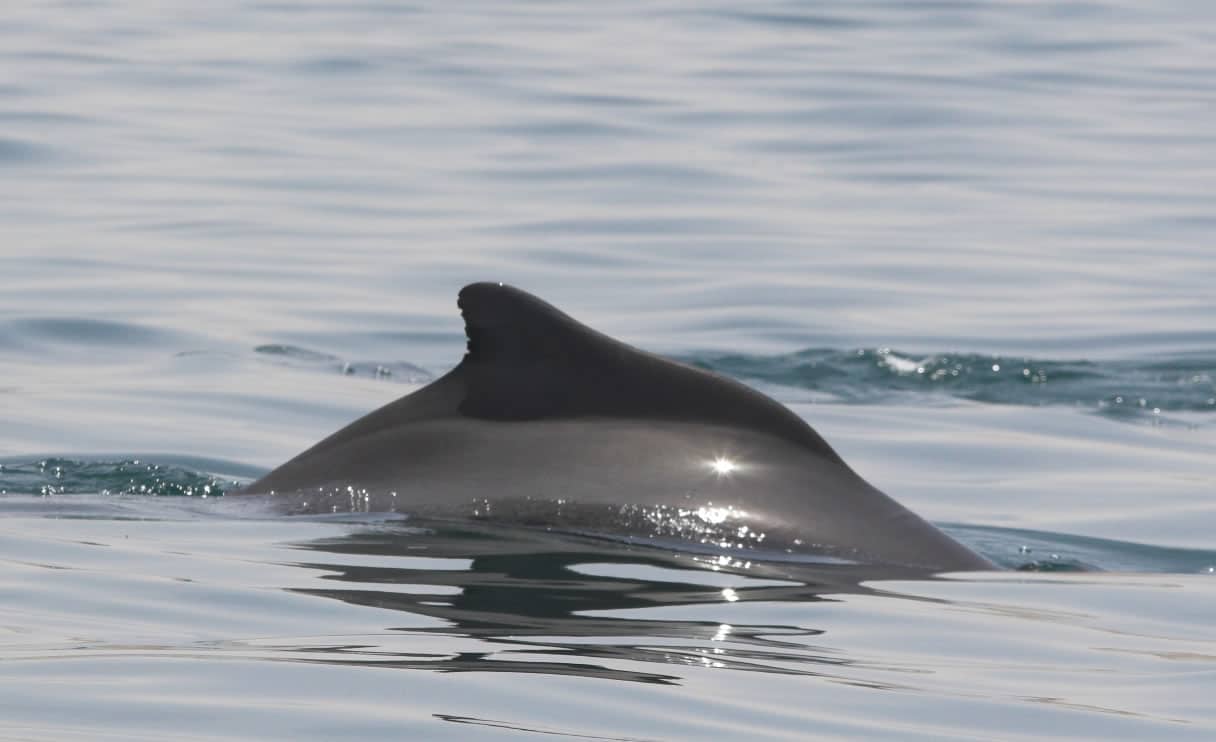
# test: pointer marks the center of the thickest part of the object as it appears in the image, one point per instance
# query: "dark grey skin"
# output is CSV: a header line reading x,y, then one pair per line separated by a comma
x,y
548,422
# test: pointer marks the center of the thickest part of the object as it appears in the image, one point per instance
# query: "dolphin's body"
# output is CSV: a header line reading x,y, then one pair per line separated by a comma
x,y
547,421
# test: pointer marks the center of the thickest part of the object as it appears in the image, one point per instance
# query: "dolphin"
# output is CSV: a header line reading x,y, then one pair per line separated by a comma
x,y
547,422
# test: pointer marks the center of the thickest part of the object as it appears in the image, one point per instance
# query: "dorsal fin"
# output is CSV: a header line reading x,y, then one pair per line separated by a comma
x,y
527,360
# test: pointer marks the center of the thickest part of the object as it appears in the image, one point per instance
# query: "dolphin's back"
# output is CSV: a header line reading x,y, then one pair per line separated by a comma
x,y
543,409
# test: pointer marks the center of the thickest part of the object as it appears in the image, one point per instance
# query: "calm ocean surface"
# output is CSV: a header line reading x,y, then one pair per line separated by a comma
x,y
971,243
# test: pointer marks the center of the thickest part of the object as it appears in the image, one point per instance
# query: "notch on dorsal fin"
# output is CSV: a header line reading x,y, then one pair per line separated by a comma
x,y
527,360
505,325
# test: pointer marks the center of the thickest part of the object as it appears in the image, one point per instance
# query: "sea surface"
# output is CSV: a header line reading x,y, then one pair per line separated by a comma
x,y
970,242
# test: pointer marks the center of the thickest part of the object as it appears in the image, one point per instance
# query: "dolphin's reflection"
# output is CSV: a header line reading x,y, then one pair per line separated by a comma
x,y
529,592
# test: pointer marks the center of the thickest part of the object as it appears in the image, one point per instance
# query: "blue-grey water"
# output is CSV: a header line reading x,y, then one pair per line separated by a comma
x,y
971,243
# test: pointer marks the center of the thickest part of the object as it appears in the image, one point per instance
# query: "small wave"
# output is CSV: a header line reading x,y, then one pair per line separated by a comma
x,y
292,355
83,332
1119,389
1029,550
63,476
21,152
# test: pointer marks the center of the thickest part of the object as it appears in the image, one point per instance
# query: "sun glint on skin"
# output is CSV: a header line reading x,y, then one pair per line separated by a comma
x,y
723,466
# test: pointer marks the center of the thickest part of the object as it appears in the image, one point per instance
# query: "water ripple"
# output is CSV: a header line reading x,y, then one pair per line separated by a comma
x,y
23,152
1120,389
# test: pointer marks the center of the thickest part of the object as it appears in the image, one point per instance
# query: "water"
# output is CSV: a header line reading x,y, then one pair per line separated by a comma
x,y
968,242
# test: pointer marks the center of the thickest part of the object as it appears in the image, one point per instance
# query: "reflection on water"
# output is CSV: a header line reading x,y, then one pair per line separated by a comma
x,y
530,591
123,614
